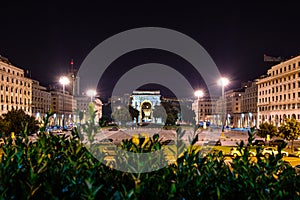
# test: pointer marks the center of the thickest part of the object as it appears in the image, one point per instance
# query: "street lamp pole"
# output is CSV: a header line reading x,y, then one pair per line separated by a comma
x,y
223,82
198,94
64,81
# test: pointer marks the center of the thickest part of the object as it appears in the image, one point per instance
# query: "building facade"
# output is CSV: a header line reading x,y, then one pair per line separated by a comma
x,y
279,93
62,104
249,104
15,88
205,109
234,115
41,100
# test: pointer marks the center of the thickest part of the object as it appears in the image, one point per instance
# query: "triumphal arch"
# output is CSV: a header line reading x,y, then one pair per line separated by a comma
x,y
145,102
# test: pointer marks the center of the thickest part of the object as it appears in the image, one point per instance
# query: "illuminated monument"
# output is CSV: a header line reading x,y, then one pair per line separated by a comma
x,y
145,102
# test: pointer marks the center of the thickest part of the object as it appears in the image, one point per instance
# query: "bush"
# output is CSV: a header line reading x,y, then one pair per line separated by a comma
x,y
59,167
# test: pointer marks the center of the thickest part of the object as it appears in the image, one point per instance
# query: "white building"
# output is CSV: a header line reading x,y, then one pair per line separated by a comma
x,y
15,88
279,93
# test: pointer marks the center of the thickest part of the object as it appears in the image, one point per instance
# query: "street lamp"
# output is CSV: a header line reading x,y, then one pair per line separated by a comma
x,y
223,82
198,94
91,93
64,81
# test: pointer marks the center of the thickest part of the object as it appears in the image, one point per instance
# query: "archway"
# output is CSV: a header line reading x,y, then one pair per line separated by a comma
x,y
276,120
284,118
146,111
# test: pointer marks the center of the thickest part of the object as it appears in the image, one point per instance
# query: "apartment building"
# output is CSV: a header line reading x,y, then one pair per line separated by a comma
x,y
205,109
279,93
234,115
249,104
62,104
15,88
41,100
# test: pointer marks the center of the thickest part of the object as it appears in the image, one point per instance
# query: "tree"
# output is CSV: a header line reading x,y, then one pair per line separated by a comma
x,y
103,121
134,113
90,128
171,110
80,114
187,114
121,114
290,130
267,129
106,115
160,112
18,121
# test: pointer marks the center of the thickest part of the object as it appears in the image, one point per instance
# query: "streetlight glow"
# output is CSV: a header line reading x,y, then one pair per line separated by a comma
x,y
223,81
199,93
64,80
91,93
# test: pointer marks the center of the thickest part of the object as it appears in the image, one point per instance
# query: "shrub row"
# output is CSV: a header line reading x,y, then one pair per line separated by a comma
x,y
56,167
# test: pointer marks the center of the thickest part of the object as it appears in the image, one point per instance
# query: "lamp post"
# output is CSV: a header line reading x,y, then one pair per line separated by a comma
x,y
64,81
198,94
91,93
223,82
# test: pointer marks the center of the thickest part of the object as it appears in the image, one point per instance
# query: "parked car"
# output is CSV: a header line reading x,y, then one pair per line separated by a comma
x,y
272,151
235,152
258,142
114,128
108,140
168,142
213,143
297,152
277,142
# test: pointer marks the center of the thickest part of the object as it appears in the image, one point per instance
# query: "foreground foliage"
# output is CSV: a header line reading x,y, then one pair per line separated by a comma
x,y
57,167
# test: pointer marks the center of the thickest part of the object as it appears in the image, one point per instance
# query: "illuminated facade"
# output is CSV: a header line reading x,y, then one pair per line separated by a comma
x,y
205,109
15,88
62,104
249,105
279,93
41,100
145,102
234,113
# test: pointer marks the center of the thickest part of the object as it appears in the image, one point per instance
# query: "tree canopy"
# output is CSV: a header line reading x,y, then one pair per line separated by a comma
x,y
18,121
134,113
160,112
267,129
121,114
290,130
187,114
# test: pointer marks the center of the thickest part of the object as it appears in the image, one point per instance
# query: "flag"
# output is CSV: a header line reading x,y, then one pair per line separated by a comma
x,y
272,59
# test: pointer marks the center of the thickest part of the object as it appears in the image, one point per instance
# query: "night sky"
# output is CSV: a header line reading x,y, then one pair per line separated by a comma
x,y
45,37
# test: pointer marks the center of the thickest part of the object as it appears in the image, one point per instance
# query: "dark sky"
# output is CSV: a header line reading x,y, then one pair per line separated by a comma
x,y
46,36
